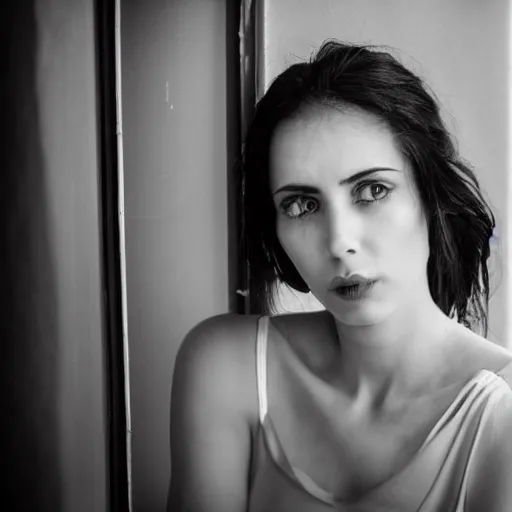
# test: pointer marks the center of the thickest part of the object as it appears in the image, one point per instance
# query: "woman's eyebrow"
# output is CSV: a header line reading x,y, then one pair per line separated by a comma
x,y
308,189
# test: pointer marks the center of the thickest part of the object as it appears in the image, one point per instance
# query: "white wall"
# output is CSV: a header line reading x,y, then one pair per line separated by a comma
x,y
174,110
461,48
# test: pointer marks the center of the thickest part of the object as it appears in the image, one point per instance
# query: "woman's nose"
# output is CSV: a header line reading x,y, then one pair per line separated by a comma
x,y
342,233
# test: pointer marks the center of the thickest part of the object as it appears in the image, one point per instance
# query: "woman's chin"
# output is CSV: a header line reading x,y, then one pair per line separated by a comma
x,y
360,314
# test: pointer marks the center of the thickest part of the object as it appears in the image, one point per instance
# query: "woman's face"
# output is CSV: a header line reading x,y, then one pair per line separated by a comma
x,y
346,203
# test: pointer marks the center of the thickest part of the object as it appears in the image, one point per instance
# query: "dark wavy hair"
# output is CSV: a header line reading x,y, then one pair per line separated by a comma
x,y
460,222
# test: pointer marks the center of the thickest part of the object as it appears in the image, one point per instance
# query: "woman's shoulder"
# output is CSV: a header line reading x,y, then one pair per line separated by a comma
x,y
225,344
478,353
225,338
218,354
235,333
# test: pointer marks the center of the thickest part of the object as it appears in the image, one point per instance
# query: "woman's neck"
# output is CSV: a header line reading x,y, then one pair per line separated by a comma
x,y
391,360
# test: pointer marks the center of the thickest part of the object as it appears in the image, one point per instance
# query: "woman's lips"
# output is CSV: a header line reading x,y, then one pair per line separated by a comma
x,y
352,279
354,291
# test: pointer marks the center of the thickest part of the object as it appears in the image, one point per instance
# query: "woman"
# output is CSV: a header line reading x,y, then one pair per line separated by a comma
x,y
388,399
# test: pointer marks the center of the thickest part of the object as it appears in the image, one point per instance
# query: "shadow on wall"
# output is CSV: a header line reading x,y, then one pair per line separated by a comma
x,y
28,373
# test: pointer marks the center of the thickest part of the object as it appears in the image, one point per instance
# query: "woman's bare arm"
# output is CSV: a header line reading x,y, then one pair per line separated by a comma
x,y
210,425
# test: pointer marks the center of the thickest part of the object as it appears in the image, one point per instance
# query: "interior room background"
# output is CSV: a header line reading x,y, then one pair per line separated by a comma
x,y
190,70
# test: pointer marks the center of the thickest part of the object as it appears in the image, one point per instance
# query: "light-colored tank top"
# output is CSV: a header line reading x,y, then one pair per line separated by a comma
x,y
435,480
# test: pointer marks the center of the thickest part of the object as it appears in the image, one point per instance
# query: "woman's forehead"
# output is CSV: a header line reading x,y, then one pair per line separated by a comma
x,y
325,142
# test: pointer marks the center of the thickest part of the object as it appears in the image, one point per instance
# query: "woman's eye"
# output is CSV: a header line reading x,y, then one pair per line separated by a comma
x,y
299,206
373,192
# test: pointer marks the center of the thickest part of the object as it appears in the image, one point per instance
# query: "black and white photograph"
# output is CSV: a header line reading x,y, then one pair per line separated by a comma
x,y
256,255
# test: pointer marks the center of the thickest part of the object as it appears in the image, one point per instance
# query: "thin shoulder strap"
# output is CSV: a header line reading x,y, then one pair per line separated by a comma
x,y
261,364
506,374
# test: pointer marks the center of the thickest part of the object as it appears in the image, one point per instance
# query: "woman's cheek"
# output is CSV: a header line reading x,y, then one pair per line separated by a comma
x,y
288,237
408,237
300,242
